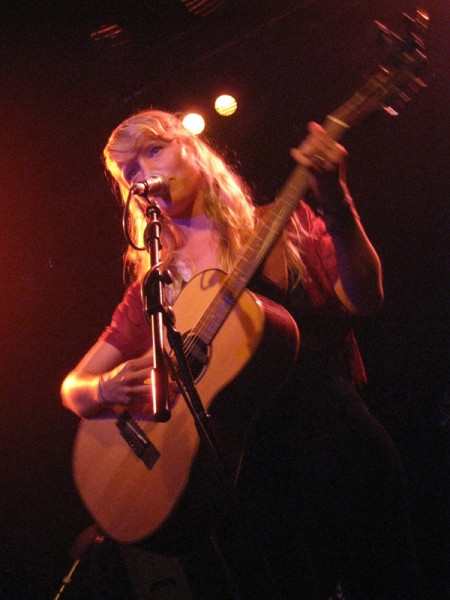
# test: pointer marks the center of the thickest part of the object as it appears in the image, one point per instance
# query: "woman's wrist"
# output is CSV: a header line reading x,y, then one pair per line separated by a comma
x,y
100,397
338,217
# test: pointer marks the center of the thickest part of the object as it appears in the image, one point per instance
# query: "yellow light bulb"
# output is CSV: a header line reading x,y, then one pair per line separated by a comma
x,y
225,105
194,123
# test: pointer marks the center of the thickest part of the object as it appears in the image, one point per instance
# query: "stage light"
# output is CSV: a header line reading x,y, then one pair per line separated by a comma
x,y
225,105
194,123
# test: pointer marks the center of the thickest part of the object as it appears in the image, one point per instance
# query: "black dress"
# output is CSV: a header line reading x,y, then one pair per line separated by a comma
x,y
321,503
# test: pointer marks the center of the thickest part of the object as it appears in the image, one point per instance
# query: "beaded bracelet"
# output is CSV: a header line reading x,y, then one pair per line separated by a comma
x,y
99,391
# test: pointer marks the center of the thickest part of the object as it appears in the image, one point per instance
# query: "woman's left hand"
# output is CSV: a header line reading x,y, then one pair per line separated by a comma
x,y
326,160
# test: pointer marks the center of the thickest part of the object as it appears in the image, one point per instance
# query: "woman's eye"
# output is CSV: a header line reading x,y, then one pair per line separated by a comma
x,y
153,150
130,174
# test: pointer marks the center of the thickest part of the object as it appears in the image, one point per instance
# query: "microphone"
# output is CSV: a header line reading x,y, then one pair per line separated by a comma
x,y
154,184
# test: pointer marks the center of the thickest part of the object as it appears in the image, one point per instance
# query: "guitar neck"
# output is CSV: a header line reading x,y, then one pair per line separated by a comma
x,y
262,240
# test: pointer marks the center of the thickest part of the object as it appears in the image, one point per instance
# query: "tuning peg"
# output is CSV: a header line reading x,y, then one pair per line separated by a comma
x,y
403,98
390,111
397,102
386,36
417,84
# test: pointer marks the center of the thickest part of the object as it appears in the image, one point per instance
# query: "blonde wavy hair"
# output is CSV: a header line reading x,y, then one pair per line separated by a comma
x,y
228,203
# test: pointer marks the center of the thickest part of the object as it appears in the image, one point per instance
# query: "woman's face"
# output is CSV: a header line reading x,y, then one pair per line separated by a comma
x,y
186,184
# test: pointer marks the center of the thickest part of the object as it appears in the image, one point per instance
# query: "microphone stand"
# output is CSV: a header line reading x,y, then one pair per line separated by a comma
x,y
159,317
153,298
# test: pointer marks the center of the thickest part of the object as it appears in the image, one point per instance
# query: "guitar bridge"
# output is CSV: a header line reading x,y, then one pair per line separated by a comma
x,y
136,438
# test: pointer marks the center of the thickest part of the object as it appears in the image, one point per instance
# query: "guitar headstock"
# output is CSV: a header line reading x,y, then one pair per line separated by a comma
x,y
397,76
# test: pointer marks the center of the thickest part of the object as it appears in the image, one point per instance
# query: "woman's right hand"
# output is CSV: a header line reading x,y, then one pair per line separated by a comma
x,y
103,379
127,383
130,383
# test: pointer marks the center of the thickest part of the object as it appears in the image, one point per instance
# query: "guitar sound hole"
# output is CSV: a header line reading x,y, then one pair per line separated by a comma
x,y
197,353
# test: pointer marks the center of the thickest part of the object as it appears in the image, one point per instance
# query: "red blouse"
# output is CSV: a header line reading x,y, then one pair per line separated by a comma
x,y
323,322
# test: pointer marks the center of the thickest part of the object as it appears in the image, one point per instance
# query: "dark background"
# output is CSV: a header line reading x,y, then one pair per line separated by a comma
x,y
287,62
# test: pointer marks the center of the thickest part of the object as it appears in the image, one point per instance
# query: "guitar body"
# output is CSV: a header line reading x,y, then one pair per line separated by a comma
x,y
175,494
